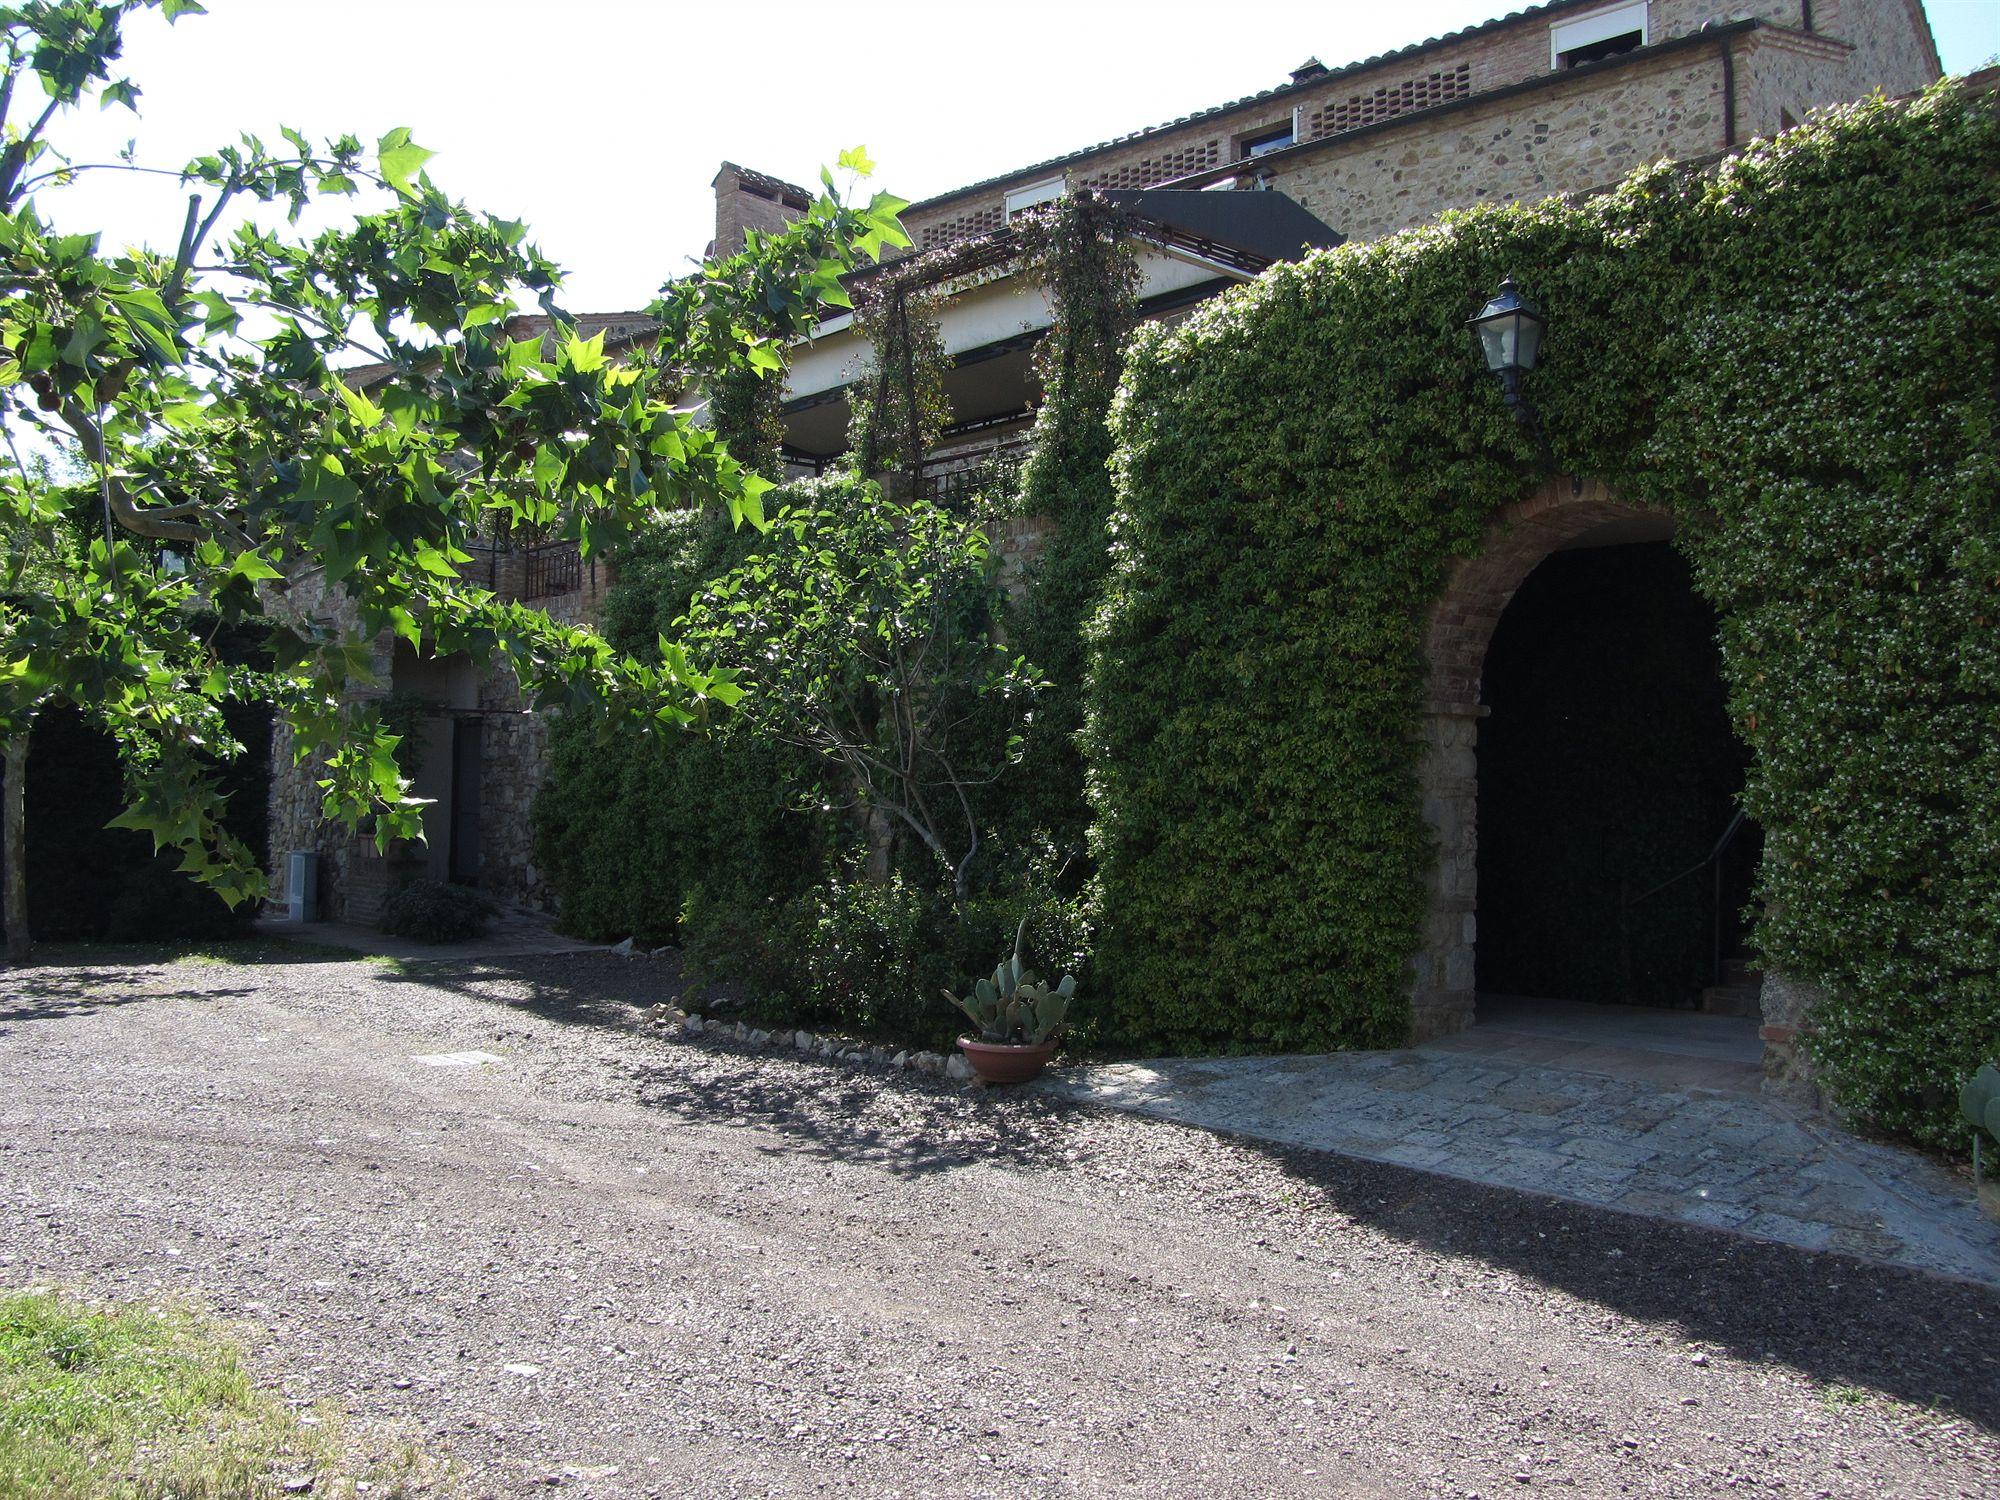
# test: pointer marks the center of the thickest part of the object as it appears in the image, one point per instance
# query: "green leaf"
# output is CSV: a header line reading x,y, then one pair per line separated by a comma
x,y
749,504
857,160
221,315
584,355
366,412
251,565
399,158
124,92
175,9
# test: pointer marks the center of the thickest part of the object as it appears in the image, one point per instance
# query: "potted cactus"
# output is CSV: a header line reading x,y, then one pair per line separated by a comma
x,y
1019,1019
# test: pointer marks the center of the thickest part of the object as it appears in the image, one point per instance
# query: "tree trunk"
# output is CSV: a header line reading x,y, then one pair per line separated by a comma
x,y
14,853
881,831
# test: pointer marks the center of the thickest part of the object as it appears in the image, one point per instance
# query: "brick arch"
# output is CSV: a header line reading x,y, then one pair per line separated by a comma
x,y
1562,513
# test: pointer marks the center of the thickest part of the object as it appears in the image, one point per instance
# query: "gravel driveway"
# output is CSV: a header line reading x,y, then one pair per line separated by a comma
x,y
625,1266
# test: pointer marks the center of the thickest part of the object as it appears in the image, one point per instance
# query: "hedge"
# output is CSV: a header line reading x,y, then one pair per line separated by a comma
x,y
1795,352
631,826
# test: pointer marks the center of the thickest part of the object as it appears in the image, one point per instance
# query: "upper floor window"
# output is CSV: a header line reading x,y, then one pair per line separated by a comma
x,y
1598,34
1021,199
1275,139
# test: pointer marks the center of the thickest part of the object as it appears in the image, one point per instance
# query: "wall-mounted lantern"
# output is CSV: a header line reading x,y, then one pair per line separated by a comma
x,y
1510,336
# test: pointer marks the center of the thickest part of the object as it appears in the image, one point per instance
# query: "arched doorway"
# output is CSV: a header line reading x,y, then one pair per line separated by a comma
x,y
1585,806
1614,860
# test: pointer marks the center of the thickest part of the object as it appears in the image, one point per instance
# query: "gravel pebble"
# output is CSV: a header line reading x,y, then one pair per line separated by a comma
x,y
739,1272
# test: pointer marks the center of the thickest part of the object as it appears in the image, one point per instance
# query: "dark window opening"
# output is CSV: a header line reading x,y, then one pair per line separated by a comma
x,y
1611,46
1270,140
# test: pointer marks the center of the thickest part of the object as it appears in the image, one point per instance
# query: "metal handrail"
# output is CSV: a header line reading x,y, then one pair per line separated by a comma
x,y
1713,857
1728,836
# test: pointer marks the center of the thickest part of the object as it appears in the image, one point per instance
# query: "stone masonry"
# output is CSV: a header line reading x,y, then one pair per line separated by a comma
x,y
355,878
1482,116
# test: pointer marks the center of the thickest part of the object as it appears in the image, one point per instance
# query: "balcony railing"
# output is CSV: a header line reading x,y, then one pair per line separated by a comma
x,y
953,479
551,568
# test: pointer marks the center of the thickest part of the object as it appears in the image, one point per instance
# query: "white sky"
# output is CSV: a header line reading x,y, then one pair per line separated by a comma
x,y
601,122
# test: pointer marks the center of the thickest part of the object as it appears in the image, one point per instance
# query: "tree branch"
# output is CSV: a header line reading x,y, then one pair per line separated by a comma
x,y
15,157
168,524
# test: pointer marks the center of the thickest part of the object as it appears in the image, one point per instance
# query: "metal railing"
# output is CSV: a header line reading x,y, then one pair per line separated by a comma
x,y
1711,861
955,478
551,568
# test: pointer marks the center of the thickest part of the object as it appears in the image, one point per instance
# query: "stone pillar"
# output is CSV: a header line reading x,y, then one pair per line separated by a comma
x,y
1441,993
1788,1071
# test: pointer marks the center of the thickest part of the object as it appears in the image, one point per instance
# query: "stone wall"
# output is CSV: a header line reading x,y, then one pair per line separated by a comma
x,y
1856,48
354,879
1788,1071
345,873
1569,137
1594,130
1783,76
515,751
1894,50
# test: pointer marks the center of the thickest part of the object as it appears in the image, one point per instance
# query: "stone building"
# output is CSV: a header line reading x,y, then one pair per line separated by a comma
x,y
1560,98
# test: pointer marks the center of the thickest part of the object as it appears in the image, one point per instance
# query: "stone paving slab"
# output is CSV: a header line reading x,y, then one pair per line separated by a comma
x,y
1723,1159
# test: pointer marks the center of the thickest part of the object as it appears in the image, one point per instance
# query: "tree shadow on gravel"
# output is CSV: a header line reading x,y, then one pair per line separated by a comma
x,y
905,1123
1844,1322
55,995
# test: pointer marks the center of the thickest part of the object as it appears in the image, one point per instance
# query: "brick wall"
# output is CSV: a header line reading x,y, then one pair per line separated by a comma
x,y
748,200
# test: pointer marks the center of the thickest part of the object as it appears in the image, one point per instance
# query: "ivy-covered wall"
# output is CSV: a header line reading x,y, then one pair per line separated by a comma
x,y
1795,354
631,828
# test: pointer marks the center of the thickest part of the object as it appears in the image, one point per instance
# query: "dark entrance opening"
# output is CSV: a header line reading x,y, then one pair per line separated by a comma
x,y
1608,773
466,740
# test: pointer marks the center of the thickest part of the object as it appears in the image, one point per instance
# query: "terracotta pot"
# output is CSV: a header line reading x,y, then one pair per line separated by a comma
x,y
1006,1062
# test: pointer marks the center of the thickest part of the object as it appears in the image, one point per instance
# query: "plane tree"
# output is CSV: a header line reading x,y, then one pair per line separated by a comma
x,y
249,417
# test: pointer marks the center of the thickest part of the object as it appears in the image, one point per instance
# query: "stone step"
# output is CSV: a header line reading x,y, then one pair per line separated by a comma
x,y
1741,971
1733,1000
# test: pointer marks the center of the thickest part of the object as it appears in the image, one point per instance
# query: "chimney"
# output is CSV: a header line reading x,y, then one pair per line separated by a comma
x,y
745,199
1310,69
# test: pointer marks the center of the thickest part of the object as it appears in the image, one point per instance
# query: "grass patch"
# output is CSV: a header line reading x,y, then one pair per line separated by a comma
x,y
156,1403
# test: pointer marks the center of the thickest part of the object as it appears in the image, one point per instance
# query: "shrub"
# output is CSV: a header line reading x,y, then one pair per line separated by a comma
x,y
847,953
433,911
874,958
631,828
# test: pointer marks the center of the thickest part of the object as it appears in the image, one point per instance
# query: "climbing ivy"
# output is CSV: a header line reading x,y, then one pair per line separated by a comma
x,y
901,407
631,827
1081,255
1794,352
